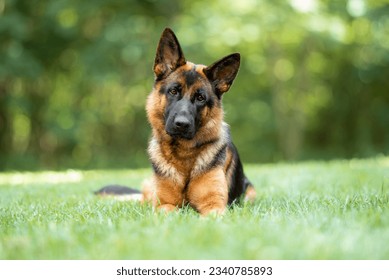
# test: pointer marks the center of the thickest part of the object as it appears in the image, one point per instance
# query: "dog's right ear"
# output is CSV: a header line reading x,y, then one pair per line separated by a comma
x,y
169,55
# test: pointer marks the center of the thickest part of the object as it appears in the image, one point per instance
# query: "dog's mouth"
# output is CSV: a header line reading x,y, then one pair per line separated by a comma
x,y
187,135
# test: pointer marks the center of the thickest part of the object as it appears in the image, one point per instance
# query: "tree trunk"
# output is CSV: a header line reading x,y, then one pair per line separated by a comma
x,y
5,126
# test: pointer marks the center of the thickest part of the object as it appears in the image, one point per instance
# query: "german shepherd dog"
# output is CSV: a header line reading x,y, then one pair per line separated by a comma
x,y
194,160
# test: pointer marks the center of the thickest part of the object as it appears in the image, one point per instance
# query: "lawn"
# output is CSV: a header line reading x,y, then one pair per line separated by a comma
x,y
311,210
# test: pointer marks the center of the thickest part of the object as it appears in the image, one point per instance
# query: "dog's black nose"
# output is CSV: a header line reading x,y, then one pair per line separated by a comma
x,y
181,123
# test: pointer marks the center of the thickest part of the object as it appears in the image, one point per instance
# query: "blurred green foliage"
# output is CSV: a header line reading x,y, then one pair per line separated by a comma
x,y
74,76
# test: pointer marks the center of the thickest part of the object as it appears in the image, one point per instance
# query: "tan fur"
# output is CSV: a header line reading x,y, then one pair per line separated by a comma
x,y
184,163
250,194
209,192
229,166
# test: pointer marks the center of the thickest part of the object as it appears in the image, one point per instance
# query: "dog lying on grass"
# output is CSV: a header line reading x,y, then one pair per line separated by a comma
x,y
193,158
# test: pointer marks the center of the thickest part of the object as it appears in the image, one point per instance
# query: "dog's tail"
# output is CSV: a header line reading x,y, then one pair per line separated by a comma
x,y
122,193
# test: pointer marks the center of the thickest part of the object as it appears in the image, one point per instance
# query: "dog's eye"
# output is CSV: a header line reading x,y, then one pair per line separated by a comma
x,y
200,97
173,91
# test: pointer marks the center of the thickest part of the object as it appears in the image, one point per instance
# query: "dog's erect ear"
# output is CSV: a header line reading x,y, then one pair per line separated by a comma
x,y
223,72
169,55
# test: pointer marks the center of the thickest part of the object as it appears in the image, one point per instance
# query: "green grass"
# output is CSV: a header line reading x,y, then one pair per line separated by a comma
x,y
312,210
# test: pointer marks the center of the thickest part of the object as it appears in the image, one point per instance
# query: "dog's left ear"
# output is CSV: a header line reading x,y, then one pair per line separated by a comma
x,y
223,72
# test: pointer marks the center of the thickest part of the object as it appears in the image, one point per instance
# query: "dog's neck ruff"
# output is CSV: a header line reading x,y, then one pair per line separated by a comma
x,y
203,156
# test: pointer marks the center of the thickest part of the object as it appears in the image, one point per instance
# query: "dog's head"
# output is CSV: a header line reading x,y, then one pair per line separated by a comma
x,y
187,96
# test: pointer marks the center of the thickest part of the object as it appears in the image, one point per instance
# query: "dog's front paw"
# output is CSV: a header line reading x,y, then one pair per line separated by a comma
x,y
167,208
212,211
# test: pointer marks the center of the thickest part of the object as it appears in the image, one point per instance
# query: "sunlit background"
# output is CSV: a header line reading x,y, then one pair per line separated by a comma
x,y
74,76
